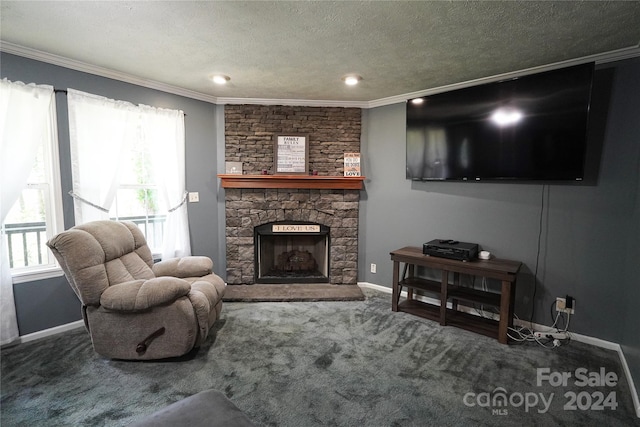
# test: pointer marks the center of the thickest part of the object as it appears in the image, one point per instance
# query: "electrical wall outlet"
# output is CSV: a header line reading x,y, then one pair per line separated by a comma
x,y
374,268
561,306
194,197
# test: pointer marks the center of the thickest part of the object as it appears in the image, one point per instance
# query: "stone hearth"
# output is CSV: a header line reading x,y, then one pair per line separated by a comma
x,y
290,293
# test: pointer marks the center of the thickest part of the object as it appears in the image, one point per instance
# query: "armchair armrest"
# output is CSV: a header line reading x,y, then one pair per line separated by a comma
x,y
190,266
144,294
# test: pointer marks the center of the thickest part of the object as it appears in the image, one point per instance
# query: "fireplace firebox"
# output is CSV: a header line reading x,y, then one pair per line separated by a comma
x,y
292,252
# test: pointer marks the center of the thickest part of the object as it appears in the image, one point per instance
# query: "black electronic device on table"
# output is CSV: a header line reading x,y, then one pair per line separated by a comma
x,y
451,249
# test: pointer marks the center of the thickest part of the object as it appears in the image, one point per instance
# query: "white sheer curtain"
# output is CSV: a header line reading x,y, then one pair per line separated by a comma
x,y
165,130
101,131
25,120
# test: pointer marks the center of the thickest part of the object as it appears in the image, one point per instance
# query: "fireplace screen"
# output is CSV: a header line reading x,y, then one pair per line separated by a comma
x,y
291,252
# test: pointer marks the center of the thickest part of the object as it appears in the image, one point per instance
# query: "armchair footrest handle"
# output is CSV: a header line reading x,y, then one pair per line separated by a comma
x,y
141,348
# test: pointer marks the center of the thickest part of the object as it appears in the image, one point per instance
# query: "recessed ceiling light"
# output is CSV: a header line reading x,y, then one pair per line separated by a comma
x,y
351,79
220,79
417,101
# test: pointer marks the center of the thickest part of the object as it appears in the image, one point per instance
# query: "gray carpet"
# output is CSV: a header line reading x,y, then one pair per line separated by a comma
x,y
314,364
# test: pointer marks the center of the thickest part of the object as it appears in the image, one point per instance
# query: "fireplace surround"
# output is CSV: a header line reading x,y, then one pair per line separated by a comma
x,y
291,252
326,197
335,211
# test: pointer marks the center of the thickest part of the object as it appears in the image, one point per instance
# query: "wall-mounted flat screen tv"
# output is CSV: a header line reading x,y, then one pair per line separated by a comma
x,y
529,128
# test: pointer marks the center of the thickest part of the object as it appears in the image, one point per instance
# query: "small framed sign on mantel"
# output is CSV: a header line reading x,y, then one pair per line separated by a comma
x,y
291,154
351,164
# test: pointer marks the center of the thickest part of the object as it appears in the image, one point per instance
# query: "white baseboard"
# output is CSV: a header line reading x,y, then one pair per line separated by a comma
x,y
632,387
576,337
51,331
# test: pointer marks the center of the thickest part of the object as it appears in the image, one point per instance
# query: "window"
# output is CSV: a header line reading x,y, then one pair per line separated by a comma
x,y
137,197
128,164
36,215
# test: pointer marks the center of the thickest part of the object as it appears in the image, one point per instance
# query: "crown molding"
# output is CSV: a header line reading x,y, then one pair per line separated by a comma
x,y
600,58
101,71
295,102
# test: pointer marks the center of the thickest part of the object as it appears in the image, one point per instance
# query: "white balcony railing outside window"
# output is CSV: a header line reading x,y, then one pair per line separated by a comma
x,y
27,241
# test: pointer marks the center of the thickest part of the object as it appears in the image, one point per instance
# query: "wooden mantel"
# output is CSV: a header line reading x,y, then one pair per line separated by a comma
x,y
292,181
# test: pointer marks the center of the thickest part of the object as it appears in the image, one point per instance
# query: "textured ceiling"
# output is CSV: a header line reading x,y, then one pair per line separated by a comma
x,y
300,50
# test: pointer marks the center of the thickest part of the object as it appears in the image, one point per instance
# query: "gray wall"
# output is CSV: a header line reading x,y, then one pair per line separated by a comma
x,y
625,126
33,300
589,235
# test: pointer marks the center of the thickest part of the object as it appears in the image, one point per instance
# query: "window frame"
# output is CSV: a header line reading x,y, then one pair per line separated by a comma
x,y
54,218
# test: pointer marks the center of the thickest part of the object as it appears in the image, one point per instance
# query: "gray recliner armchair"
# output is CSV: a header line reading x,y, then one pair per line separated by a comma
x,y
133,308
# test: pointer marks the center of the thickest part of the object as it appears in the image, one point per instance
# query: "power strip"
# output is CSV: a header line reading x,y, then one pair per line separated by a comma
x,y
553,335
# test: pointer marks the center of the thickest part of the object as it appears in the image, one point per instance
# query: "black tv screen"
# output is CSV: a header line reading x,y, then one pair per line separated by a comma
x,y
528,128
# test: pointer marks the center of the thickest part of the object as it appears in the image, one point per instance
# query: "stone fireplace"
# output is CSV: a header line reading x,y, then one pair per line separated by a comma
x,y
326,198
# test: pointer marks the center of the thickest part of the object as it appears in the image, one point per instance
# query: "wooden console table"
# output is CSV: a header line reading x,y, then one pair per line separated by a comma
x,y
500,269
